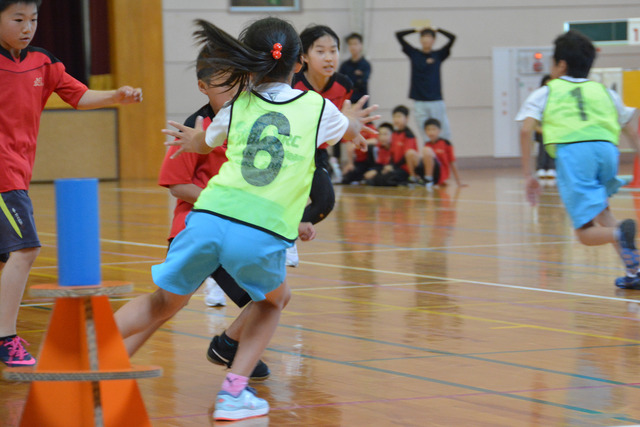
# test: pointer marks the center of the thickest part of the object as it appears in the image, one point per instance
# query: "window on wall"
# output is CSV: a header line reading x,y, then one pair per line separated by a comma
x,y
83,49
601,32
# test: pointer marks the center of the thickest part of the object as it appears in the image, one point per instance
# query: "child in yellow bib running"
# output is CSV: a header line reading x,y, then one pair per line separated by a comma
x,y
581,123
248,215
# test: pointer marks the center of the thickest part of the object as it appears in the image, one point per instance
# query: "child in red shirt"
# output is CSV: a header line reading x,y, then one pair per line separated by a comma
x,y
28,76
358,161
438,157
185,176
404,149
383,172
383,153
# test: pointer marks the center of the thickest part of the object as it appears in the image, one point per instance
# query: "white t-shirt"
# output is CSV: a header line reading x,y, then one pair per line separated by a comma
x,y
536,102
333,123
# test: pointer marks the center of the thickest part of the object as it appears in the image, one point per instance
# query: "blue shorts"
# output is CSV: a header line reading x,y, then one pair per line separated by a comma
x,y
587,178
254,258
17,225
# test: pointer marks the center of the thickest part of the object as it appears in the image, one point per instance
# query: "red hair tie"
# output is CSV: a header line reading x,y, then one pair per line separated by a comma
x,y
276,51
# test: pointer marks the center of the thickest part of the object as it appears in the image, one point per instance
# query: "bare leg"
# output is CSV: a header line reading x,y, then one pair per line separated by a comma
x,y
427,160
234,331
138,319
370,174
12,283
591,234
259,325
412,159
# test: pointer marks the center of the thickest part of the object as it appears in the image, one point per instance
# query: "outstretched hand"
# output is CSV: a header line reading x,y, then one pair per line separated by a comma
x,y
190,140
533,190
128,95
360,116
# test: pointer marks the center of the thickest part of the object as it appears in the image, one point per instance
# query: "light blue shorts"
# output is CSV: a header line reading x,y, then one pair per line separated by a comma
x,y
254,258
587,178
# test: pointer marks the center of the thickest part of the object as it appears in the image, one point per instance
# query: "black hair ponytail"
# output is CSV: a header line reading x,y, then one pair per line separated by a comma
x,y
249,61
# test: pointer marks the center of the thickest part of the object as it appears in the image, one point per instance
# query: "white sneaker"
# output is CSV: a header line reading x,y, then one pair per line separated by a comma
x,y
213,295
292,256
541,173
245,405
428,184
337,172
551,173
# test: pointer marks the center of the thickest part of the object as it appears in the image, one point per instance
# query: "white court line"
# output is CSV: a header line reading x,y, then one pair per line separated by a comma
x,y
425,276
150,245
35,304
364,285
475,282
427,198
107,263
482,202
496,245
119,242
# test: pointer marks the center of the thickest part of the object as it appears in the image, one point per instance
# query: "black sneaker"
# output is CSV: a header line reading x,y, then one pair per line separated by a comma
x,y
627,282
222,353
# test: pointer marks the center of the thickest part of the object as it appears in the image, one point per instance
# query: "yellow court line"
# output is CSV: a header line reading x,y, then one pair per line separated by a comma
x,y
131,270
48,276
510,327
327,313
476,318
32,331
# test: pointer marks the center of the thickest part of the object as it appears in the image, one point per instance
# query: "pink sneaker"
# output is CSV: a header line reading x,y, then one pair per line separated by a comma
x,y
13,353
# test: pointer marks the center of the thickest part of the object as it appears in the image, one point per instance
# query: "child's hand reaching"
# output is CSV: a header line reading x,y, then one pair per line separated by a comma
x,y
128,95
190,140
533,190
358,117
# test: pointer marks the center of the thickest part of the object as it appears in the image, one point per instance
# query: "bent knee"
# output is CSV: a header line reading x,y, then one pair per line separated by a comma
x,y
411,154
280,297
166,304
428,151
27,255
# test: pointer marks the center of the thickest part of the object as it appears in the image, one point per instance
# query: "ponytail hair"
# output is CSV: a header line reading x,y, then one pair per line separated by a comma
x,y
249,61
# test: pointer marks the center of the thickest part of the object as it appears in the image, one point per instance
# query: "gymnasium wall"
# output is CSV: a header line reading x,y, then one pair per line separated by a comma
x,y
467,74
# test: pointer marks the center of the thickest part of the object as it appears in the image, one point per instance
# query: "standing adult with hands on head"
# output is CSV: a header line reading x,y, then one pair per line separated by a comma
x,y
426,84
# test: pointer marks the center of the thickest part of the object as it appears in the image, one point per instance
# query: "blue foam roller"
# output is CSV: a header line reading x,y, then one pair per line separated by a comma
x,y
78,232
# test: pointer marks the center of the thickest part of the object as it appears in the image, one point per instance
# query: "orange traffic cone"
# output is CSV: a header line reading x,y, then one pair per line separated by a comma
x,y
83,376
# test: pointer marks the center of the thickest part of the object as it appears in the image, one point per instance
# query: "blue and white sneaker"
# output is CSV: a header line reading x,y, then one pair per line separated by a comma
x,y
245,405
627,240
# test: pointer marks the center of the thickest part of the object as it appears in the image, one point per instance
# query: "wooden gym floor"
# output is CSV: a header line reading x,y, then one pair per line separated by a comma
x,y
411,308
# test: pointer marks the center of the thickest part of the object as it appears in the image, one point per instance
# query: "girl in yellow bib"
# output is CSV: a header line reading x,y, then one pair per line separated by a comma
x,y
248,215
581,122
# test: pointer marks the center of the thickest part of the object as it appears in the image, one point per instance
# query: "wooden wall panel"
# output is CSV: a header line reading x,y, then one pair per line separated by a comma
x,y
138,60
89,151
